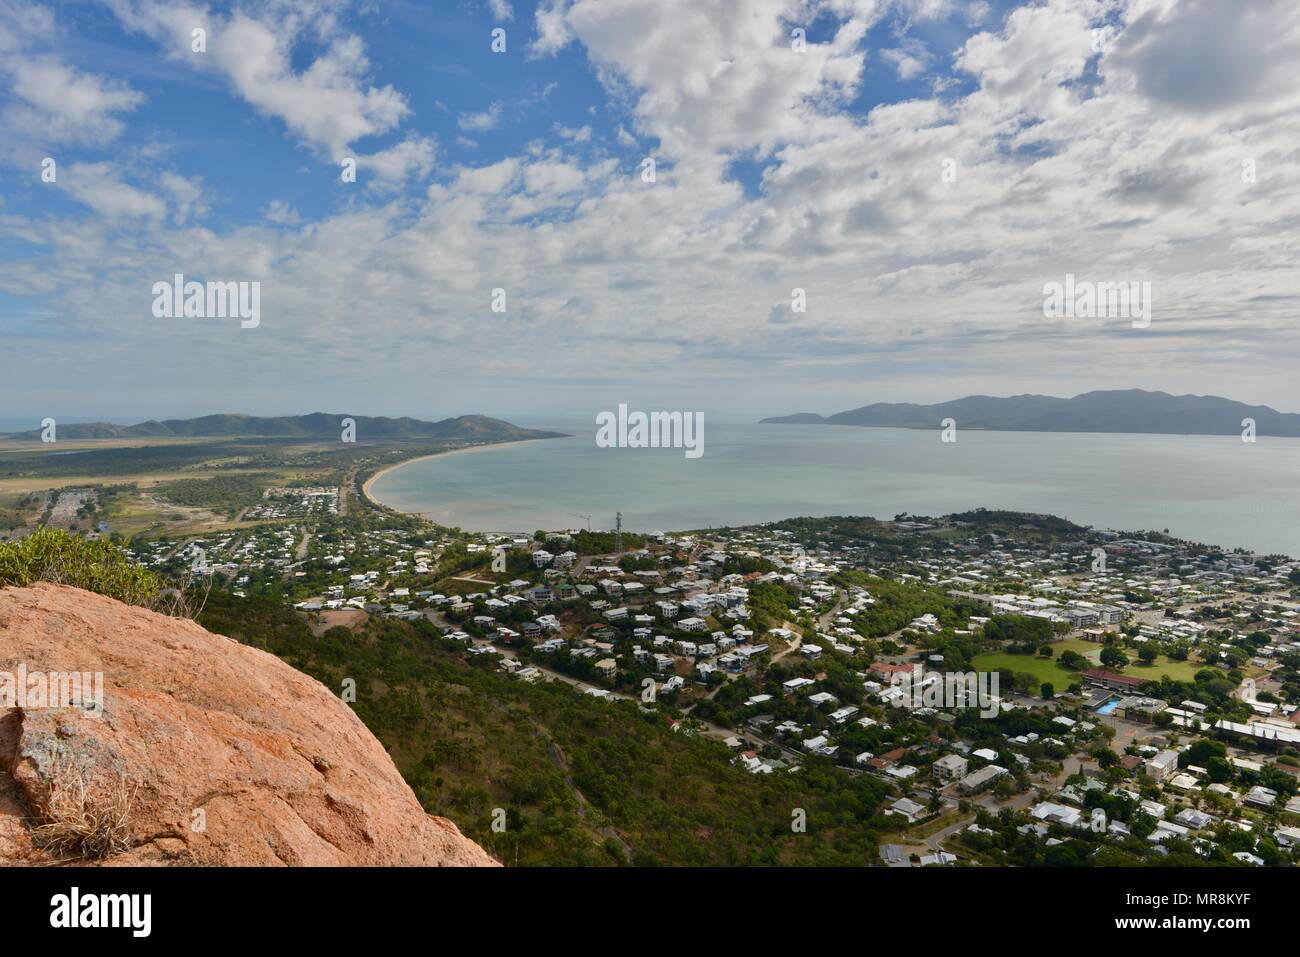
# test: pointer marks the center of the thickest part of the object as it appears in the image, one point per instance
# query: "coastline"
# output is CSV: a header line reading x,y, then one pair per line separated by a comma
x,y
366,485
1078,475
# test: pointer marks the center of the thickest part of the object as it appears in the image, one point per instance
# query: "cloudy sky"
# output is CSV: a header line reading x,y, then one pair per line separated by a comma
x,y
919,168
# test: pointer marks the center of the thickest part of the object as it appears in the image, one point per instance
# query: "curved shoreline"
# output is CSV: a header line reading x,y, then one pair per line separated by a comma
x,y
1052,487
366,485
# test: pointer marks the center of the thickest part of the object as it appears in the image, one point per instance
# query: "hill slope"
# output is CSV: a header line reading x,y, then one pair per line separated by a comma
x,y
282,771
1129,410
583,782
314,425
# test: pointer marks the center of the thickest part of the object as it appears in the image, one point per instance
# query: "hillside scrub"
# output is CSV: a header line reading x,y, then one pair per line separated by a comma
x,y
59,557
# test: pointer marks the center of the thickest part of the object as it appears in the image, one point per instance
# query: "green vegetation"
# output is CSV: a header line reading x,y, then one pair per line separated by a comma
x,y
771,604
1023,632
17,510
1073,655
225,493
138,459
898,603
1044,670
602,543
839,531
56,556
1024,524
582,781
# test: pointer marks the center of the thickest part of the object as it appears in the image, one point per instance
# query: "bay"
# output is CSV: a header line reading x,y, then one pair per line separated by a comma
x,y
1214,489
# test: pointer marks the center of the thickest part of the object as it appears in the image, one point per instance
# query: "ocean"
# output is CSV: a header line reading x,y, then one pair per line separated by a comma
x,y
1214,489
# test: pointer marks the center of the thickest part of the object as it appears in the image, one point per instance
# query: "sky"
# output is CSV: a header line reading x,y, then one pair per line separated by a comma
x,y
913,173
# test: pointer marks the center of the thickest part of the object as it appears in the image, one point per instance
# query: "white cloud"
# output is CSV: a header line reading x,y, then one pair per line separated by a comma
x,y
186,194
910,277
51,103
579,135
706,80
391,168
977,12
281,213
482,122
1039,49
553,33
922,10
21,23
910,59
329,103
98,186
1204,56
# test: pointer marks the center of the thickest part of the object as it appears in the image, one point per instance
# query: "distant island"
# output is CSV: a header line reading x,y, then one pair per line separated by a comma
x,y
315,425
1127,410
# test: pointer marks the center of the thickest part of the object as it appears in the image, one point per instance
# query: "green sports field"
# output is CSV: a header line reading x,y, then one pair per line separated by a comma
x,y
1048,669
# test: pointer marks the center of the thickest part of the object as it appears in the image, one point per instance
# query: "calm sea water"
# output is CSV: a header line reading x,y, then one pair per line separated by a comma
x,y
1214,489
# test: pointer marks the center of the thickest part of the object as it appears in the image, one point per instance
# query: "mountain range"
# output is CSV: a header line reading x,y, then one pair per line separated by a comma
x,y
1128,410
323,425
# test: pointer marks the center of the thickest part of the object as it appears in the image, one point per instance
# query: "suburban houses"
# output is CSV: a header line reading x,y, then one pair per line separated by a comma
x,y
791,649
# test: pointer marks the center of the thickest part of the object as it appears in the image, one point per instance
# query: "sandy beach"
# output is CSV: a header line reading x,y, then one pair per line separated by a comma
x,y
365,488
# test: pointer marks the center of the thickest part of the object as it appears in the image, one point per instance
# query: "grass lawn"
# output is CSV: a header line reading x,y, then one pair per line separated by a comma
x,y
916,834
1178,670
1043,669
1047,669
460,586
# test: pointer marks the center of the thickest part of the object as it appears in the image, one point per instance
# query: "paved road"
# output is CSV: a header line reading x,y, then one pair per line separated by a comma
x,y
824,622
935,841
348,481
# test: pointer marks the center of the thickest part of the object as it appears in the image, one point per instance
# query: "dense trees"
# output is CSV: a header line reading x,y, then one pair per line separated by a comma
x,y
1113,658
1020,630
224,493
898,603
1072,660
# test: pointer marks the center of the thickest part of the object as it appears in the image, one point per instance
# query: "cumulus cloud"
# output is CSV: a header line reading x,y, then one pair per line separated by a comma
x,y
412,158
922,230
910,59
706,80
51,103
1203,56
329,103
579,135
98,186
72,104
553,33
482,122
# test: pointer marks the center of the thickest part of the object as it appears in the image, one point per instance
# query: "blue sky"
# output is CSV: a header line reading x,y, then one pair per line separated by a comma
x,y
439,56
1078,146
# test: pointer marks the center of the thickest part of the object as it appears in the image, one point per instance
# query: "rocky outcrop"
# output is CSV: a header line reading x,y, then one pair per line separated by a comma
x,y
206,752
